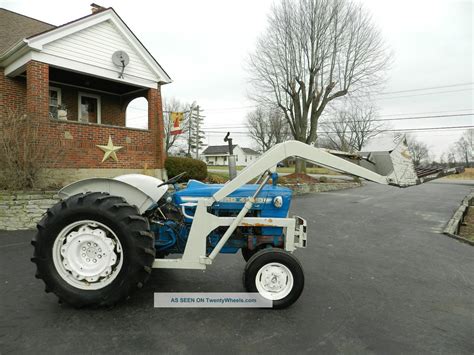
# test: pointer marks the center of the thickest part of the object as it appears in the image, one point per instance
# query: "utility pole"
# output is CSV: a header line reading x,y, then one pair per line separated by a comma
x,y
197,138
190,125
195,134
232,163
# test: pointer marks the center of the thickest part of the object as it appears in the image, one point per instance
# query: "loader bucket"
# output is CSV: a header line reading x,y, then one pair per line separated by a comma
x,y
394,161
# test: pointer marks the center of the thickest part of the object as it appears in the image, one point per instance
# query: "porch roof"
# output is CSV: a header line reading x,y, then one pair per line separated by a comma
x,y
86,45
86,82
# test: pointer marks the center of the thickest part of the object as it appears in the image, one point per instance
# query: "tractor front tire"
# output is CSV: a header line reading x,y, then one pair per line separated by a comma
x,y
276,275
93,250
247,253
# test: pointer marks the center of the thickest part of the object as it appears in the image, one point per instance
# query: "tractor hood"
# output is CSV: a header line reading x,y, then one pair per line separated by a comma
x,y
196,190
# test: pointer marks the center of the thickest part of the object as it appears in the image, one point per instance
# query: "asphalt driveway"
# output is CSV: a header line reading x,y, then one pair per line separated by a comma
x,y
380,278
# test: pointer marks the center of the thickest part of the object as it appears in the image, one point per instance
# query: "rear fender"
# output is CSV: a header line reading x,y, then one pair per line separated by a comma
x,y
138,190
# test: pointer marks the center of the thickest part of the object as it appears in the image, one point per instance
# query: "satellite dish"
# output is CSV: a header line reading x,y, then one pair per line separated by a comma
x,y
120,59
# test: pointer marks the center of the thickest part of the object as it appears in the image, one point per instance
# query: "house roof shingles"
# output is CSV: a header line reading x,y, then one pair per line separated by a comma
x,y
249,151
14,27
218,149
224,149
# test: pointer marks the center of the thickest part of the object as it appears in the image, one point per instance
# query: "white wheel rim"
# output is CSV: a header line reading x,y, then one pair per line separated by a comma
x,y
87,255
274,281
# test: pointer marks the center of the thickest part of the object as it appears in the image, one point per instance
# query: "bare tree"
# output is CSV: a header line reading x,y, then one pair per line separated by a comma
x,y
464,147
23,152
351,127
451,157
419,151
267,127
313,52
173,105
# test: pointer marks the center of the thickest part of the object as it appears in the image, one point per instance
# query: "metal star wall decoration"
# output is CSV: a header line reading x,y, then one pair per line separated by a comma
x,y
110,151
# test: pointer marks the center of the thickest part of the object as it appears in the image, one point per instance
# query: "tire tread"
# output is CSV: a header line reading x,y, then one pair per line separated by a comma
x,y
122,214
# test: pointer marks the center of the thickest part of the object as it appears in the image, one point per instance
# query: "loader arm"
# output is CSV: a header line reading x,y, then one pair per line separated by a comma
x,y
393,167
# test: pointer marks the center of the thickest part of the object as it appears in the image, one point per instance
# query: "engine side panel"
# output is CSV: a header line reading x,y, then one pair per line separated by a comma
x,y
244,237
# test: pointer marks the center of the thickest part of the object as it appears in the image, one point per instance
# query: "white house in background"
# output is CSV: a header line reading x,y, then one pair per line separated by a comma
x,y
219,154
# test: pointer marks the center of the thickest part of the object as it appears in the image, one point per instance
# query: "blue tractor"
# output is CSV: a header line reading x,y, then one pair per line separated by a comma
x,y
102,240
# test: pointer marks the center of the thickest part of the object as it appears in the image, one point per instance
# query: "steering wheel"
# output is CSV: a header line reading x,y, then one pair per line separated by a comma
x,y
173,180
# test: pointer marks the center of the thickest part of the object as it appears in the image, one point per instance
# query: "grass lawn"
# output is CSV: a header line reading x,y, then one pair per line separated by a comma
x,y
468,174
467,228
222,167
280,170
322,171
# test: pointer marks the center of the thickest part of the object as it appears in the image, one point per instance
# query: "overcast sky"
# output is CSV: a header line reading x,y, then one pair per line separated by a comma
x,y
203,46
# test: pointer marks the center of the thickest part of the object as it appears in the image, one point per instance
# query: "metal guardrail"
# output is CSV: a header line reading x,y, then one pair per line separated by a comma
x,y
452,228
426,174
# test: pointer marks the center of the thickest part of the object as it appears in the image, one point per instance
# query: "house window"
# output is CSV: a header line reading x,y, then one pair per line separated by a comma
x,y
225,159
89,108
54,101
245,158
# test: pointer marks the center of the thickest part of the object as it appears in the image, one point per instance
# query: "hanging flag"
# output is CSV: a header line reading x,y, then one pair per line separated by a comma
x,y
176,120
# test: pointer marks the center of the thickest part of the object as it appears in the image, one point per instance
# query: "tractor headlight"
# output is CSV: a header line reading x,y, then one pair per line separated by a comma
x,y
278,201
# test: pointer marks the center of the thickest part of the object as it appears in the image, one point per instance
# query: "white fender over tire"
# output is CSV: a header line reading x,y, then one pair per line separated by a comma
x,y
138,190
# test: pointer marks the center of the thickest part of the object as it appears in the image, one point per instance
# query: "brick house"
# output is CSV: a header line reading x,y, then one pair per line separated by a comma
x,y
66,79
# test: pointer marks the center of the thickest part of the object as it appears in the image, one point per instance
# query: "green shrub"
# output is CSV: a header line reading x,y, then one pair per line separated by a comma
x,y
323,179
195,169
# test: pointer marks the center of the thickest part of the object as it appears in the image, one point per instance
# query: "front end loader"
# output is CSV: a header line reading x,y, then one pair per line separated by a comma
x,y
102,240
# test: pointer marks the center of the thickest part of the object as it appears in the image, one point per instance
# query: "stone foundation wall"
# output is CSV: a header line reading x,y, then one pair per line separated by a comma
x,y
299,189
22,210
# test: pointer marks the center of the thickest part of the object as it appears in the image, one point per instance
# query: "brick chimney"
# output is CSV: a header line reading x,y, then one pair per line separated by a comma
x,y
96,8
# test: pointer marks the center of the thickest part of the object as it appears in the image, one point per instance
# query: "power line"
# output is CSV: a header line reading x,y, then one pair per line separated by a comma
x,y
423,113
385,130
231,108
377,119
430,93
423,117
393,119
424,129
382,93
428,88
138,108
388,115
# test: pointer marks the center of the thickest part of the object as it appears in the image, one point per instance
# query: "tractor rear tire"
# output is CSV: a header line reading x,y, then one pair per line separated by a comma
x,y
93,250
276,275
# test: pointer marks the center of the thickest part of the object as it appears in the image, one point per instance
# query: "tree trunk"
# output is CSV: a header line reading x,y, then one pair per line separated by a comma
x,y
300,166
